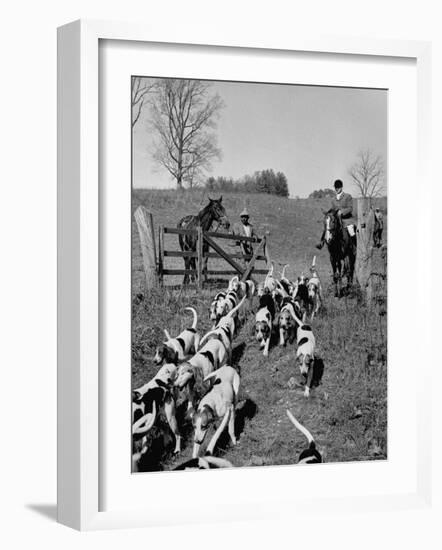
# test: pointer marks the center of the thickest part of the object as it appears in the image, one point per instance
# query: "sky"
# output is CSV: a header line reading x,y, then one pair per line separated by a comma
x,y
310,133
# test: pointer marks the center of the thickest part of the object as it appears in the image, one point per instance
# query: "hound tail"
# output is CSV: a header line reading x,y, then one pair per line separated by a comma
x,y
168,336
195,316
270,273
301,428
283,271
235,309
145,423
215,331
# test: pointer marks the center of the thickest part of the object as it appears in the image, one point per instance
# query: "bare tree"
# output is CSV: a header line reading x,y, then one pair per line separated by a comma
x,y
141,87
367,174
184,115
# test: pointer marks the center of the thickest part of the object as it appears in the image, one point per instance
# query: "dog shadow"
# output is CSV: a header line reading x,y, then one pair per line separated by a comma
x,y
160,444
244,412
237,353
318,371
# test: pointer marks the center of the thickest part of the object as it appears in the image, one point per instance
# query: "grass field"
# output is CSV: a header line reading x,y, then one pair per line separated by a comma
x,y
347,413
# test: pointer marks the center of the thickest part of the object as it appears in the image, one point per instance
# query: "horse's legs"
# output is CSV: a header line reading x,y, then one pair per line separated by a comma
x,y
186,267
335,270
192,266
338,274
205,262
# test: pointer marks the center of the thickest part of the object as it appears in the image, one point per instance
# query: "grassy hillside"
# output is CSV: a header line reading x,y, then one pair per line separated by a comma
x,y
347,414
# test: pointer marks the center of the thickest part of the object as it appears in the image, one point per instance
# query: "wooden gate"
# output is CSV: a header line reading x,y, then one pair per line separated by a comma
x,y
244,272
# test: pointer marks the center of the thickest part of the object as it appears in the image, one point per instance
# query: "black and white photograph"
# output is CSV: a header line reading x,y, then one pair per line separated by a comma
x,y
259,274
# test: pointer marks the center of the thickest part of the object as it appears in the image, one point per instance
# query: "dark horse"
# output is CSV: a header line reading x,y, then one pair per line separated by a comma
x,y
341,248
213,211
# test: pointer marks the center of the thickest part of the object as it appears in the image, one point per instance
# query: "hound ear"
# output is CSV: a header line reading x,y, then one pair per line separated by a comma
x,y
220,200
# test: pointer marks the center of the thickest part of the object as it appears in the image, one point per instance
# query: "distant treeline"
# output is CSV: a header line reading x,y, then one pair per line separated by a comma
x,y
263,181
322,194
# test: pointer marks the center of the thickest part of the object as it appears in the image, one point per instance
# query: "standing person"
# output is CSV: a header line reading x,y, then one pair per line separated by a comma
x,y
245,229
343,204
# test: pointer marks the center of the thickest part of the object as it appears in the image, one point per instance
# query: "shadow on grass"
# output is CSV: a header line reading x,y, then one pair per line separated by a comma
x,y
237,353
245,410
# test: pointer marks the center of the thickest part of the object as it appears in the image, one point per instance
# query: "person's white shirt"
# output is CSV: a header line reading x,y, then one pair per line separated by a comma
x,y
247,230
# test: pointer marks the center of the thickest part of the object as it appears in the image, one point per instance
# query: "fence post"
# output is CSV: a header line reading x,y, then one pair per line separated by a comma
x,y
200,256
364,253
160,254
249,268
144,222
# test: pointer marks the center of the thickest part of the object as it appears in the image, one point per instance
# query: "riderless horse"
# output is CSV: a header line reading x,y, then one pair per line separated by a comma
x,y
341,248
213,211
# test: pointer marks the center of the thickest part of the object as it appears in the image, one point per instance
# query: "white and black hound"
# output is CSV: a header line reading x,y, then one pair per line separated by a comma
x,y
224,306
269,285
209,358
176,350
242,288
146,404
225,330
300,296
311,455
287,285
287,322
264,319
213,307
305,353
218,403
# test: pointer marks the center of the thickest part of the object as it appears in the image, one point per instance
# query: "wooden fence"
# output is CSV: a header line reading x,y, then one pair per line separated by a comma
x,y
243,270
154,258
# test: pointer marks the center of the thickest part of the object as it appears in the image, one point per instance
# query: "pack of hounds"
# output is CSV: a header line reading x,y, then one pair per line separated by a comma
x,y
199,369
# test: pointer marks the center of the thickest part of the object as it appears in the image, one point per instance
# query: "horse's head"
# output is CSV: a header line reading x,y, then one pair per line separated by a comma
x,y
218,212
332,225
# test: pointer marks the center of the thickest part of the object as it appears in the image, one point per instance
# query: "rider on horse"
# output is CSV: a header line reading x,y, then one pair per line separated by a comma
x,y
342,203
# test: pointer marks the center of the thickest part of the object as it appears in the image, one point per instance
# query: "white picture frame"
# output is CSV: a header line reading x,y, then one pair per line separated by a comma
x,y
79,292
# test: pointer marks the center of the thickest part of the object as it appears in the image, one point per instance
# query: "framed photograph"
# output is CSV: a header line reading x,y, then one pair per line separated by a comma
x,y
232,241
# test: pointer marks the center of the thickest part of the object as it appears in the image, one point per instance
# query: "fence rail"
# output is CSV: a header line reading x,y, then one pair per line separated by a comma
x,y
212,234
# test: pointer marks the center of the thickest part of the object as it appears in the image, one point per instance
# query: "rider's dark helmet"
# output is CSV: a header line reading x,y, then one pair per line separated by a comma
x,y
338,184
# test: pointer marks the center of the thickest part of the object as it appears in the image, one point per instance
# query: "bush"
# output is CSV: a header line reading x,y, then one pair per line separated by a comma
x,y
322,194
264,181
